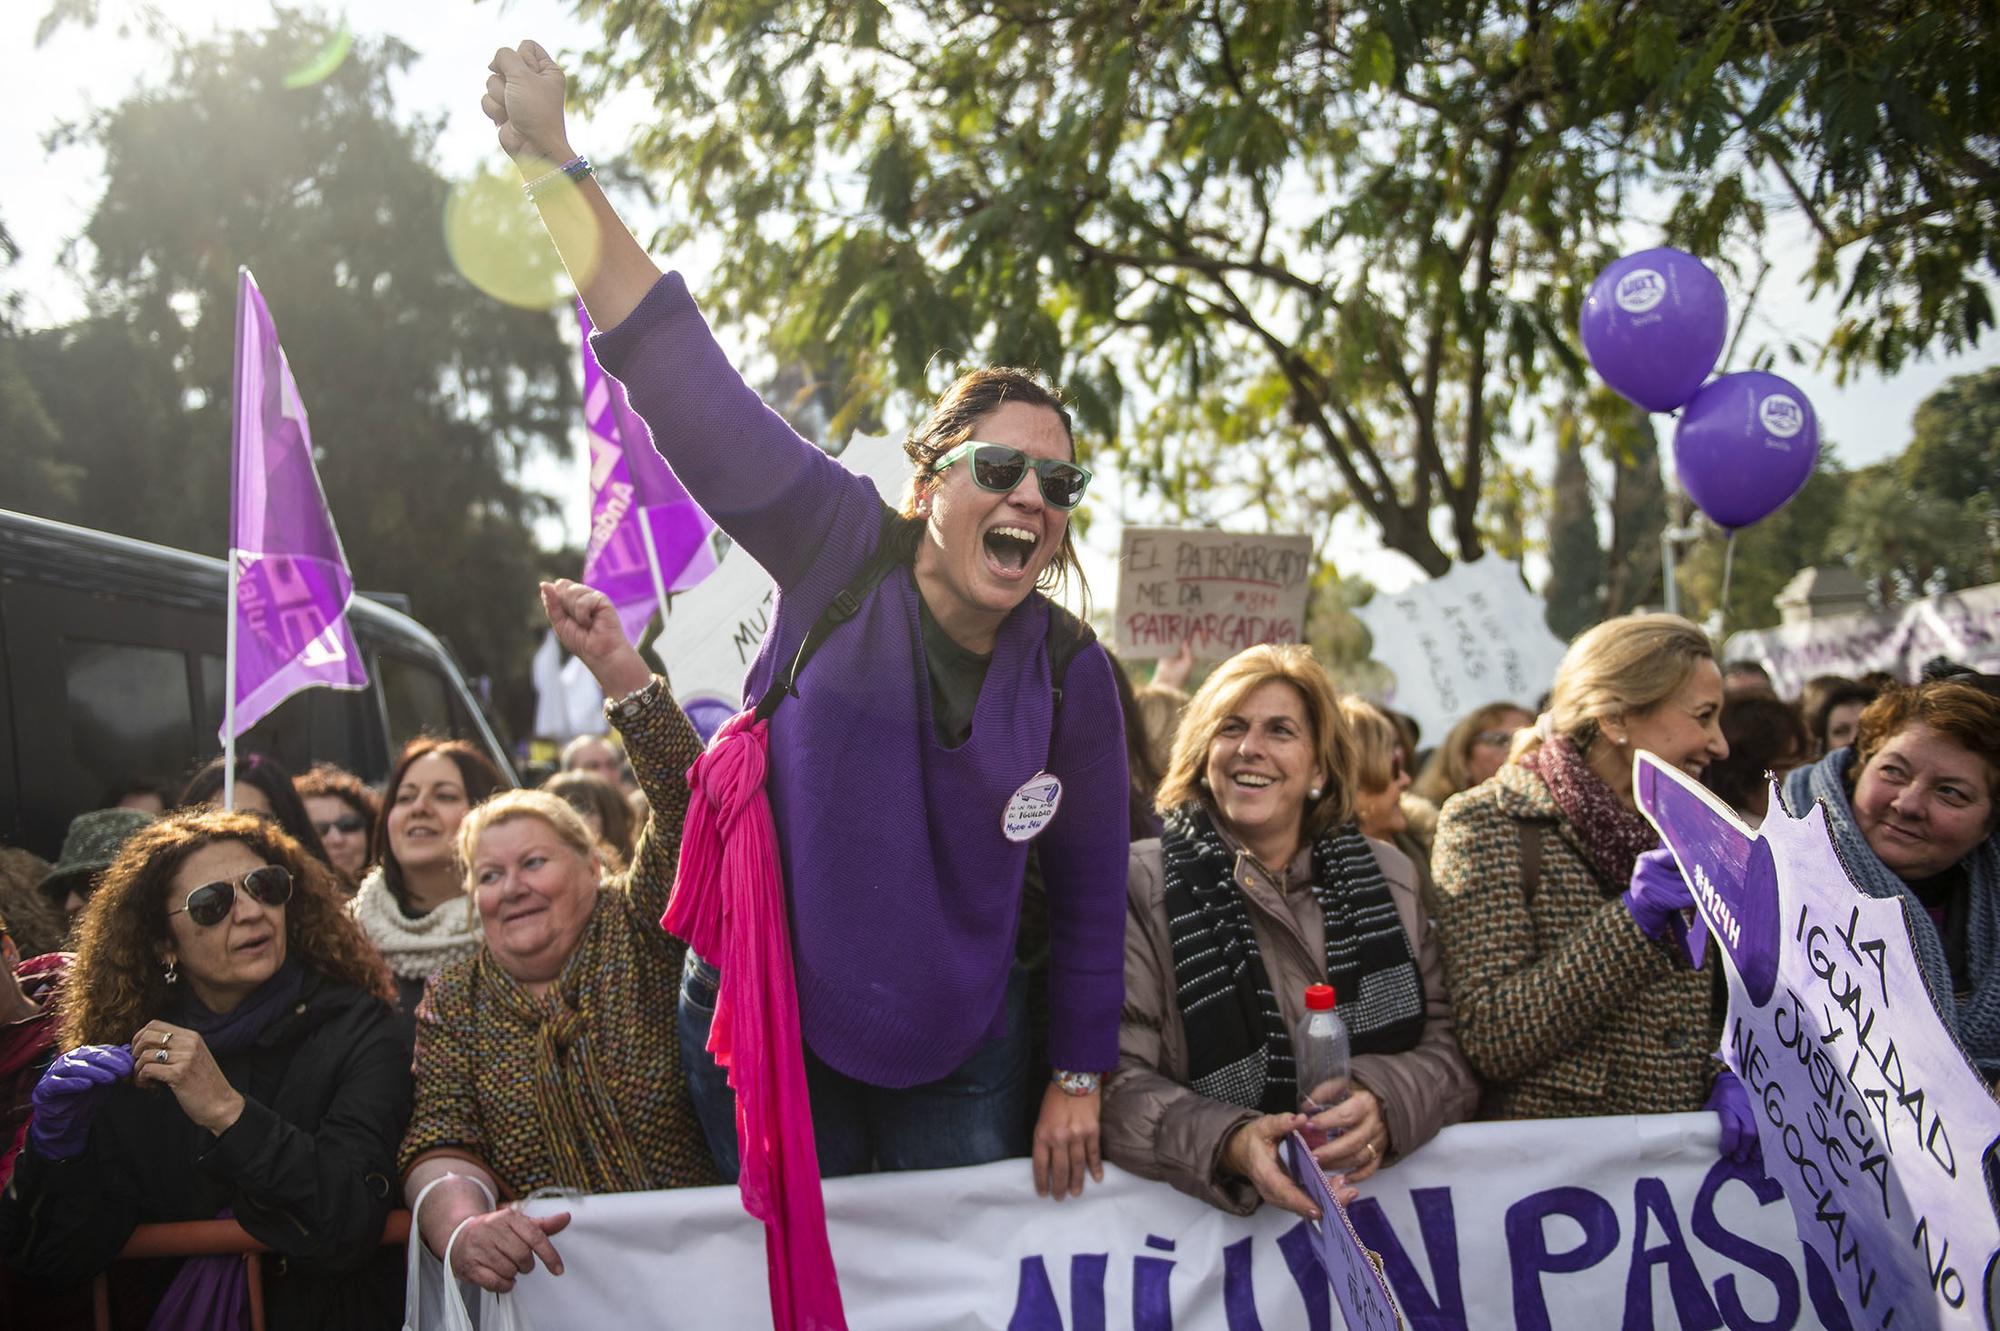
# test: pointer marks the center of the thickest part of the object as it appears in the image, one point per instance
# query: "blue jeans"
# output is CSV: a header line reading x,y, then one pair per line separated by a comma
x,y
976,1113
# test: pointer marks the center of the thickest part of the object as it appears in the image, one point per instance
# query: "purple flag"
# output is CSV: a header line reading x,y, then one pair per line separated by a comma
x,y
630,485
288,624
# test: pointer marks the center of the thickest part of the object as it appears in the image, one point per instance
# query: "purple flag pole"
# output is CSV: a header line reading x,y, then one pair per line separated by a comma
x,y
289,587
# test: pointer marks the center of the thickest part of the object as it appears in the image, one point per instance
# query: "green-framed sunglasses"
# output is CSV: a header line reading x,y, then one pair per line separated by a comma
x,y
998,468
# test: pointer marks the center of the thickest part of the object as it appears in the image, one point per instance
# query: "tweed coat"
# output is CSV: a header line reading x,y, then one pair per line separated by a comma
x,y
1565,1009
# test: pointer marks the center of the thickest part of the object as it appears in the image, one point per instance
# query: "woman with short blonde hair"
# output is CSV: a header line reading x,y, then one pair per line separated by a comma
x,y
1261,867
1573,993
543,1060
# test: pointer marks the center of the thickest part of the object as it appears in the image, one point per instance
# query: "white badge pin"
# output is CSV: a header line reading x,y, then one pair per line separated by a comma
x,y
1032,807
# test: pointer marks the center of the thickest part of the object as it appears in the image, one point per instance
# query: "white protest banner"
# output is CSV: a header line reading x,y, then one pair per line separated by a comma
x,y
1220,591
1870,1116
1455,643
1578,1223
1964,626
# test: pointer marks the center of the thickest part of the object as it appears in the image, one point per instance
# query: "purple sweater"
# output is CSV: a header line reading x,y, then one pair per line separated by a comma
x,y
904,895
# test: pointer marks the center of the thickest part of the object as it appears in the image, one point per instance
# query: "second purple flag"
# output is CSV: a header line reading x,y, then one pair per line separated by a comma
x,y
633,493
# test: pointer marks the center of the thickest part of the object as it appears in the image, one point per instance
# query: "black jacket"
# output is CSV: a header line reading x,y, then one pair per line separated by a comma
x,y
309,1168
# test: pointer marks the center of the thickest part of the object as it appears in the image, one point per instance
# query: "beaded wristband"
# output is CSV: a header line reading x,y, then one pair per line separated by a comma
x,y
576,168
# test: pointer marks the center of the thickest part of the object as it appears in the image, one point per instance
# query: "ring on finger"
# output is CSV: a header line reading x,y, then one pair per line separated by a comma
x,y
160,1054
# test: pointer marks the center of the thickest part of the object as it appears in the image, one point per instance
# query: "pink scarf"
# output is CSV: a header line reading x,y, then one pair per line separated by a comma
x,y
729,904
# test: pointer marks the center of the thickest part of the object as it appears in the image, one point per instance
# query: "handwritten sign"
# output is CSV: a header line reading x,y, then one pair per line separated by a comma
x,y
1455,643
1358,1288
1868,1113
1220,591
1962,625
712,634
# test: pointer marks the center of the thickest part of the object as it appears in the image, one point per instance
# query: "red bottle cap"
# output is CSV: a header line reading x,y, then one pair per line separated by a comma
x,y
1319,998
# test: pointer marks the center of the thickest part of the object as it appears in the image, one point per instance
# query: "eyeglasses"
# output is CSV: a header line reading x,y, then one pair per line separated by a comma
x,y
347,825
211,903
998,468
1499,739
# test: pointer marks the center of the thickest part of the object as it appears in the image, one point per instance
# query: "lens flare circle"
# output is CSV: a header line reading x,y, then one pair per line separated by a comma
x,y
497,241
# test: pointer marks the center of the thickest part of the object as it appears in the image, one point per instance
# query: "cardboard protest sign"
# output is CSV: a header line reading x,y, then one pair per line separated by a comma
x,y
1868,1113
1358,1288
712,634
1216,590
1455,643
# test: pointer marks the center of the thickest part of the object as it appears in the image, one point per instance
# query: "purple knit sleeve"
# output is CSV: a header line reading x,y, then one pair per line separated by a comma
x,y
1083,856
774,493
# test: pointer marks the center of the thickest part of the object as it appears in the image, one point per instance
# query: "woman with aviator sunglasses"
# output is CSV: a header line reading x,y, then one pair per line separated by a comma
x,y
923,751
232,1052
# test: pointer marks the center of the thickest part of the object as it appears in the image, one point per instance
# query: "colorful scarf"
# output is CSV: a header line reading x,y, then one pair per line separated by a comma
x,y
1973,1015
213,1293
574,1108
1611,832
1239,1050
729,904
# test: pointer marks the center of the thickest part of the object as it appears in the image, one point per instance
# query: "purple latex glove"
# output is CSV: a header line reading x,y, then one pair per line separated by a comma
x,y
1657,897
67,1096
1731,1104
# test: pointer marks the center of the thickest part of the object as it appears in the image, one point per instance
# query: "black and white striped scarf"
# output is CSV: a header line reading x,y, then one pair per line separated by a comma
x,y
1238,1048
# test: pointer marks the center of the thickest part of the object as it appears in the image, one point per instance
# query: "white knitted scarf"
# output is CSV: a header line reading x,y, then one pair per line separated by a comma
x,y
414,948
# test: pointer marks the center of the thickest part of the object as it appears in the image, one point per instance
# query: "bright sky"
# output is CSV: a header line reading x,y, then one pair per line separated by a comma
x,y
48,198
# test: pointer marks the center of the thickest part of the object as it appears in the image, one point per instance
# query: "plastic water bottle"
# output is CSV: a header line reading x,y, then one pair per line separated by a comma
x,y
1320,1048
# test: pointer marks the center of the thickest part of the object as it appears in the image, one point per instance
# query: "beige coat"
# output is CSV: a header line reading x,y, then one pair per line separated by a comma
x,y
1154,1125
1564,1007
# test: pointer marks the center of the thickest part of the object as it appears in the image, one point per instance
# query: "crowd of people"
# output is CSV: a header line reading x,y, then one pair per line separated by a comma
x,y
1029,907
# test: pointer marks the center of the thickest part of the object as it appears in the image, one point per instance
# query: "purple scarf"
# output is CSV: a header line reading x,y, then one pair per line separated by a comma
x,y
214,1292
1612,832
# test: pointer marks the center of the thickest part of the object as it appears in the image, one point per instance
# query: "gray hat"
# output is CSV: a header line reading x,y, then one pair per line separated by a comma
x,y
92,843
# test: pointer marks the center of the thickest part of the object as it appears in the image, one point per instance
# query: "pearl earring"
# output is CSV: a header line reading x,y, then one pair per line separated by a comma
x,y
1313,794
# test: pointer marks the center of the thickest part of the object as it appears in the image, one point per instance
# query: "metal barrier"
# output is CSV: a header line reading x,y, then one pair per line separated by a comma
x,y
211,1238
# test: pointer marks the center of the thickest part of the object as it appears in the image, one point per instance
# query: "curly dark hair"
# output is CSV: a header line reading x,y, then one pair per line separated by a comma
x,y
116,985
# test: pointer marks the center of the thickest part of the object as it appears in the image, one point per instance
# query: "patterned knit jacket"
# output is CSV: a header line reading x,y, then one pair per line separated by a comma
x,y
475,1096
1564,1008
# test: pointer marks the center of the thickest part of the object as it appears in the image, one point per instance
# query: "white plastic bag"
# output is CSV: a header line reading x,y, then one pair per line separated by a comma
x,y
433,1301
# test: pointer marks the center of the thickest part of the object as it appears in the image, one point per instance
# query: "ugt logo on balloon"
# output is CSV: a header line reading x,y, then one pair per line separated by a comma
x,y
1781,415
1640,290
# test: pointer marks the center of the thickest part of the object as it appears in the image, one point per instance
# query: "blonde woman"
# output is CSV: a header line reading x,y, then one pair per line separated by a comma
x,y
1262,865
1558,916
1472,752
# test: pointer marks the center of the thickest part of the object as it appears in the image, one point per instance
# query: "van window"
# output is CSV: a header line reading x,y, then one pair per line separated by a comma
x,y
416,697
129,711
284,733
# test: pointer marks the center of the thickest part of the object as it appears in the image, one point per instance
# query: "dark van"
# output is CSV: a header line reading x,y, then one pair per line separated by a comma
x,y
111,670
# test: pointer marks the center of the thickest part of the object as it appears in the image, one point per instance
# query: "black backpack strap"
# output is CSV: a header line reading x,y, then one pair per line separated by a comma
x,y
895,544
1067,637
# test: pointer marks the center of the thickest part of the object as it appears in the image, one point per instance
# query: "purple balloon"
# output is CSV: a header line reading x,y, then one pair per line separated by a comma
x,y
1745,445
1653,324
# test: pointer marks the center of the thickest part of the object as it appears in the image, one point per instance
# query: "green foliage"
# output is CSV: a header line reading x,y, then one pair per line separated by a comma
x,y
1908,543
1955,445
425,396
1349,241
